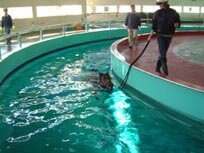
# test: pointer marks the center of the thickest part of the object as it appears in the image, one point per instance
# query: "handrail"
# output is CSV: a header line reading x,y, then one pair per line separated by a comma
x,y
33,30
18,35
55,26
63,26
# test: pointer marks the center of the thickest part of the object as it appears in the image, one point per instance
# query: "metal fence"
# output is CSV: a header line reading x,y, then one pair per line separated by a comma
x,y
27,37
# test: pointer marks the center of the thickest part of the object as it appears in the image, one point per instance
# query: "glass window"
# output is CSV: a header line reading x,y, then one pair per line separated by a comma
x,y
177,8
126,8
20,12
105,9
88,9
112,9
191,9
99,9
202,9
138,8
1,12
150,8
45,11
70,10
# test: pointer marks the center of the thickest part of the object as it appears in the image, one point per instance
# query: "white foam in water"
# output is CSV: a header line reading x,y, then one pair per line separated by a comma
x,y
99,62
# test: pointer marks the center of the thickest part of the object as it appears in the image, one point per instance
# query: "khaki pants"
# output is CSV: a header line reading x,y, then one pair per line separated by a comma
x,y
7,33
133,38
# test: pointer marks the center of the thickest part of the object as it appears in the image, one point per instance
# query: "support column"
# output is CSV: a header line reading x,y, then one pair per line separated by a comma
x,y
84,12
34,22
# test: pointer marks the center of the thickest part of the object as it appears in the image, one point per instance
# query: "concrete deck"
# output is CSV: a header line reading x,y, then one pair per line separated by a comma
x,y
180,70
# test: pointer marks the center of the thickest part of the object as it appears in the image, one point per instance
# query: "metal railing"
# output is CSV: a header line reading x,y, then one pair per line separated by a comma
x,y
30,36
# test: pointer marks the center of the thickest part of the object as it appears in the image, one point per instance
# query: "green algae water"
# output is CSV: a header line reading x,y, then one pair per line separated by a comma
x,y
53,105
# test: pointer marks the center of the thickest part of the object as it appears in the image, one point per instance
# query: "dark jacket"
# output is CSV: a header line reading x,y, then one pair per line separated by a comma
x,y
163,21
133,21
6,22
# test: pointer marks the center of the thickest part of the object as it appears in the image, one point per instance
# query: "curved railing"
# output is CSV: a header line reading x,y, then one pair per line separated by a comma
x,y
30,36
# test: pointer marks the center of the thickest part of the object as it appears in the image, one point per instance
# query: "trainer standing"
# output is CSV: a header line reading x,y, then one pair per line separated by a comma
x,y
132,22
164,22
6,24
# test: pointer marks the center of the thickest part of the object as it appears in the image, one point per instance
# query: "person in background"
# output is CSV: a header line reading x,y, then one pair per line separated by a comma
x,y
6,24
164,22
133,21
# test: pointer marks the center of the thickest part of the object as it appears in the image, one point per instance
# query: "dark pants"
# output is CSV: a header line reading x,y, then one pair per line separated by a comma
x,y
7,32
163,42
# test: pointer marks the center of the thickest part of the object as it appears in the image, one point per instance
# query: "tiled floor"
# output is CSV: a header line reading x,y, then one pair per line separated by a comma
x,y
180,70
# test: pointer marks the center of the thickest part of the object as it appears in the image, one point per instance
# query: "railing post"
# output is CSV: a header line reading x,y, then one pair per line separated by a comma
x,y
19,40
147,18
63,30
109,24
41,34
86,26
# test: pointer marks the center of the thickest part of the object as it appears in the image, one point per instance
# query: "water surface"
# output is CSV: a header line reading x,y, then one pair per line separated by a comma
x,y
53,105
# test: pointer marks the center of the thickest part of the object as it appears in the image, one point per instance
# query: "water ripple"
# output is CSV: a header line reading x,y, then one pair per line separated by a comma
x,y
51,104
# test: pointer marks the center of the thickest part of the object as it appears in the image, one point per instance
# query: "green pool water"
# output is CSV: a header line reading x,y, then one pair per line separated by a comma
x,y
53,105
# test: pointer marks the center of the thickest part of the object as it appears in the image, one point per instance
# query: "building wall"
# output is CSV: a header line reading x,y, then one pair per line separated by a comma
x,y
146,2
21,24
184,16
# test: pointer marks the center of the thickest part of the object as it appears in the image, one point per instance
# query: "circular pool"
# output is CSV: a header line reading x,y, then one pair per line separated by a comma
x,y
52,105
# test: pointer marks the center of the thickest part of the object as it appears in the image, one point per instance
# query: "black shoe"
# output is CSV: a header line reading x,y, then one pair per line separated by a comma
x,y
158,70
165,68
158,66
130,46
